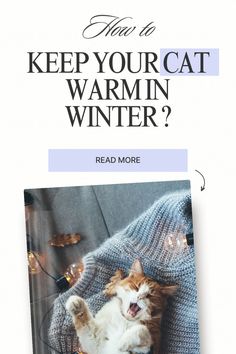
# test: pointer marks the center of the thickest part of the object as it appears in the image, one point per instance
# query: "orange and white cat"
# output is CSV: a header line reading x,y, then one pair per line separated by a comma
x,y
129,322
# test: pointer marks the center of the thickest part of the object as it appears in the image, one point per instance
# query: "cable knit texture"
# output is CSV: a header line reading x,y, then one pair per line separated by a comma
x,y
145,239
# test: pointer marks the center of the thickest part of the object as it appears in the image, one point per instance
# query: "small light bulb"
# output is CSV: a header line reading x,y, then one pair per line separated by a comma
x,y
34,261
71,275
176,244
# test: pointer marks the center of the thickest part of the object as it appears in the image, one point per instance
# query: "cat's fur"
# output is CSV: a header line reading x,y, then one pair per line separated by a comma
x,y
129,322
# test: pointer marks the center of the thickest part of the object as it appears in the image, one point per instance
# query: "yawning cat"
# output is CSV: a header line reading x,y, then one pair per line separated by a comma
x,y
129,322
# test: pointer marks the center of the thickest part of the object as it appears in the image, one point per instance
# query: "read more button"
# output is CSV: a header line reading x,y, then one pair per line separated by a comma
x,y
118,159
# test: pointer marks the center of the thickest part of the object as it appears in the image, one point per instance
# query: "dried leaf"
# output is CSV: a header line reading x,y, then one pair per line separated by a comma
x,y
62,240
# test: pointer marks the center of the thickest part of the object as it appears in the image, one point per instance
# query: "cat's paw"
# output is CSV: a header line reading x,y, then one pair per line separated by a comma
x,y
124,347
127,347
136,339
75,305
145,339
142,350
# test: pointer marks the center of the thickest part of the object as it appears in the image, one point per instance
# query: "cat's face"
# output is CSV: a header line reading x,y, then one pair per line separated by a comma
x,y
140,297
134,294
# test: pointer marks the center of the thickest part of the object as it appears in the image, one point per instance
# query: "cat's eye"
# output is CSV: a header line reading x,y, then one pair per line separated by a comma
x,y
133,286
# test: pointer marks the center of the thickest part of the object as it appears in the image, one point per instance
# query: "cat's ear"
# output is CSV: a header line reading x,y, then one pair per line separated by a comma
x,y
168,290
136,268
110,288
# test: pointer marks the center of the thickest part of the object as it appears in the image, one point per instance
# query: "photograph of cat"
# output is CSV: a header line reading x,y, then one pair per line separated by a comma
x,y
130,322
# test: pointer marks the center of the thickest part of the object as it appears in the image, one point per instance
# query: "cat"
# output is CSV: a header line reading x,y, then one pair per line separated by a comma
x,y
129,322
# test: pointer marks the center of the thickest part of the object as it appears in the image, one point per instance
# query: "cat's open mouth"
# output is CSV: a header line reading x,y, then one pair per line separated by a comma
x,y
133,309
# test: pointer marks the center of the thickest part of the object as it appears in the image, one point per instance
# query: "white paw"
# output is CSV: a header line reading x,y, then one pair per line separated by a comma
x,y
75,305
136,339
145,339
124,347
142,350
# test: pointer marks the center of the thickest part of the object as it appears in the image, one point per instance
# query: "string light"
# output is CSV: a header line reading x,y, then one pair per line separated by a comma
x,y
36,260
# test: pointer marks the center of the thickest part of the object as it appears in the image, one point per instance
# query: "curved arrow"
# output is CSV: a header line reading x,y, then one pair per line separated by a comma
x,y
204,182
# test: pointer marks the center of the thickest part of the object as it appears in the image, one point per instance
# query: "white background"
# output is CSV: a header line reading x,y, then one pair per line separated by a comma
x,y
33,119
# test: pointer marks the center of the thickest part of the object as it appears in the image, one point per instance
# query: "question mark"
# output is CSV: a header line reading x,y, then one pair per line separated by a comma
x,y
168,113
